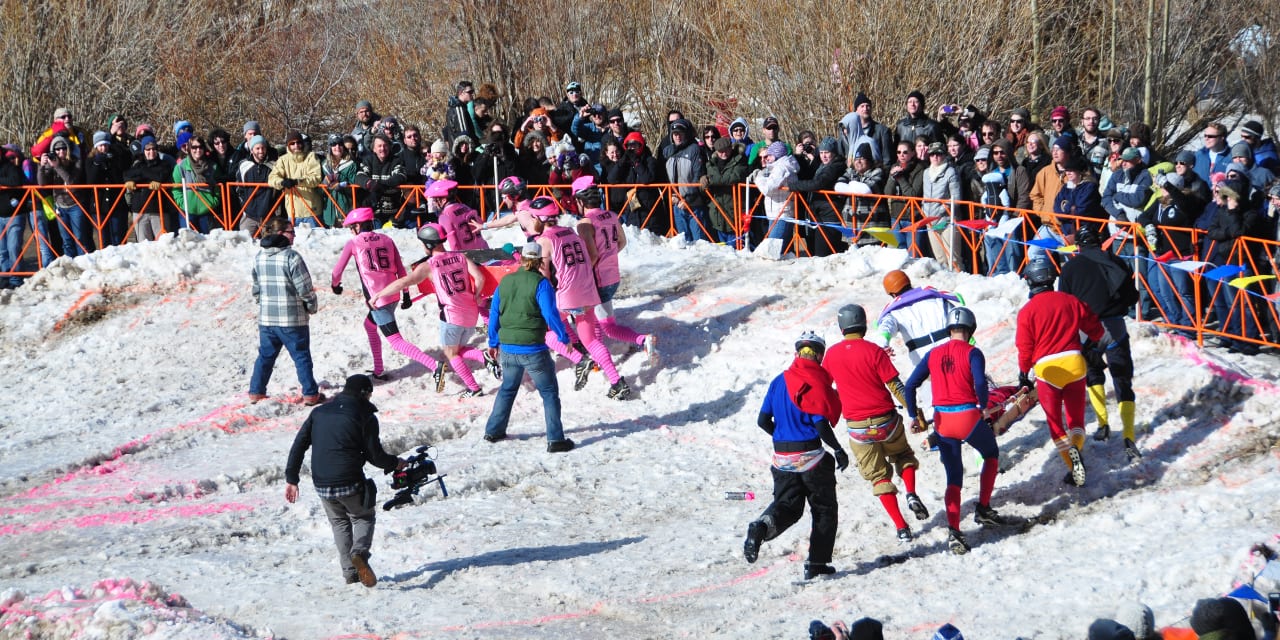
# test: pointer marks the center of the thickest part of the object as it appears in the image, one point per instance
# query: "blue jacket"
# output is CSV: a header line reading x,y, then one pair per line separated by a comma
x,y
790,423
591,136
1127,188
1205,169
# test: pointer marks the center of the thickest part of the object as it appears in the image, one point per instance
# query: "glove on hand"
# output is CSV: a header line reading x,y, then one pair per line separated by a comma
x,y
405,301
288,183
1024,380
842,460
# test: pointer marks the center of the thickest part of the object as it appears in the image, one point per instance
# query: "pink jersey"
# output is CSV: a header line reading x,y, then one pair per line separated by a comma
x,y
460,235
455,289
608,229
377,261
575,282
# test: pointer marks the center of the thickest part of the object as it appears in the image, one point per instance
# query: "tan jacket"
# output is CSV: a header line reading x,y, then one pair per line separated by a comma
x,y
303,200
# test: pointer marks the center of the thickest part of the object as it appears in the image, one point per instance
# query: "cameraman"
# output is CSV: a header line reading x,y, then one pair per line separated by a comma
x,y
345,434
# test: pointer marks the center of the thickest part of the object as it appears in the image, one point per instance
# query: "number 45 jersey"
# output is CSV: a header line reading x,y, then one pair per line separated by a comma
x,y
454,288
575,277
377,260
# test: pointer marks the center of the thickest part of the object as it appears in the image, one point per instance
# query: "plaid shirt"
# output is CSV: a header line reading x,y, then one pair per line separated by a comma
x,y
282,287
339,492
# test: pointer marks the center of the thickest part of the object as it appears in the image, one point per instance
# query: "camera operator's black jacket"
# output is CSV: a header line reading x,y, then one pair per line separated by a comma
x,y
343,435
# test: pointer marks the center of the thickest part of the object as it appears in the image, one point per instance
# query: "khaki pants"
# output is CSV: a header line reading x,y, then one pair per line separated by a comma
x,y
878,461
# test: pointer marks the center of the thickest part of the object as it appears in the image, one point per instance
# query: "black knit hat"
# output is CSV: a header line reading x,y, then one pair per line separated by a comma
x,y
358,385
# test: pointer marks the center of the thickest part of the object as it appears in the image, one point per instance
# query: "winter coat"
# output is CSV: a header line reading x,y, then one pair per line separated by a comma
x,y
380,181
103,169
723,177
342,435
1227,227
1168,220
1127,193
10,178
62,174
143,173
282,286
258,198
303,200
821,204
198,193
941,183
685,166
881,136
414,161
909,128
909,183
770,181
338,201
1080,200
1047,182
638,169
459,120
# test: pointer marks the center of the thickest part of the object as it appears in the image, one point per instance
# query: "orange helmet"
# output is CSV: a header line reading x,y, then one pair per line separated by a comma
x,y
896,282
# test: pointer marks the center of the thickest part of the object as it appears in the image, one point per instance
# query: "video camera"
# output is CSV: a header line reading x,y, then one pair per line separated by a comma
x,y
419,471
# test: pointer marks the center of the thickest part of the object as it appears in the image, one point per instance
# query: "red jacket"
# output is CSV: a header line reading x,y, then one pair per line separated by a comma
x,y
1051,323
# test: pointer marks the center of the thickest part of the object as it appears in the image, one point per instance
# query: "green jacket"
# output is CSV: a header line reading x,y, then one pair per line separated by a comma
x,y
197,200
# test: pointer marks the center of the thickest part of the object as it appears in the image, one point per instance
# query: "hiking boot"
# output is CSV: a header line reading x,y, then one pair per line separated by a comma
x,y
491,363
367,577
1103,433
756,532
957,543
1077,466
580,373
257,397
1131,450
560,446
494,437
619,390
904,535
988,517
917,507
312,401
438,377
472,393
813,570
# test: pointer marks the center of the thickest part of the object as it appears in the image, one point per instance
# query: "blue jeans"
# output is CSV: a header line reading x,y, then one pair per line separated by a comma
x,y
11,230
542,370
1006,262
1172,289
75,242
298,341
203,223
689,222
1234,308
40,230
781,229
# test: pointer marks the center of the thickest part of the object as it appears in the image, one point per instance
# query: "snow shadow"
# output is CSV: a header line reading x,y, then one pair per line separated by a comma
x,y
503,558
712,411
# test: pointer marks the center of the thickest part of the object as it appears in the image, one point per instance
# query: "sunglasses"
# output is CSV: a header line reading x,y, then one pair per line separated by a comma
x,y
1211,136
988,134
196,147
1057,120
1016,121
997,152
65,117
1246,136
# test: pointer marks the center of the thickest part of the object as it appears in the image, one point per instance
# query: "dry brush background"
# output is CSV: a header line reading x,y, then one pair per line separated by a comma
x,y
294,64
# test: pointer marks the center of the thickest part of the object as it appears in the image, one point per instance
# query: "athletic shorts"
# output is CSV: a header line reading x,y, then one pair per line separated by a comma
x,y
453,335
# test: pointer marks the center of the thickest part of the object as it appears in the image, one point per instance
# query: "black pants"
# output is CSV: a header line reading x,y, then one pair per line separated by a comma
x,y
818,486
1118,360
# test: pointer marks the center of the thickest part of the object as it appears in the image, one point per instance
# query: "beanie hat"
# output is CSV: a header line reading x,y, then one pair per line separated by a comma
x,y
59,112
358,385
146,141
615,113
1253,127
723,144
1075,163
1104,629
866,629
101,137
1135,615
59,142
184,138
439,146
1063,142
252,125
983,153
1275,191
142,129
1236,167
1186,157
829,144
255,141
1217,178
364,104
948,632
112,119
180,125
1177,182
1220,614
917,95
1060,112
1021,112
778,150
293,135
860,100
1241,150
634,136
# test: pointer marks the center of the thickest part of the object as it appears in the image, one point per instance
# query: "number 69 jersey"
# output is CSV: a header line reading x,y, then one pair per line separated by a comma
x,y
454,288
377,260
575,278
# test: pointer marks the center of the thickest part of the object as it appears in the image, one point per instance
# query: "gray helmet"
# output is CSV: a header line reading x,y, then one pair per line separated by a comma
x,y
430,236
1040,273
813,341
963,318
852,319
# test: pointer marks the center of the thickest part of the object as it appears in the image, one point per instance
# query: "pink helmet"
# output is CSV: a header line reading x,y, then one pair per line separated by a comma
x,y
363,214
584,182
544,208
440,188
511,186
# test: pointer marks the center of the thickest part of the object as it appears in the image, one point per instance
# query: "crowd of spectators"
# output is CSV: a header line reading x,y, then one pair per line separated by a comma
x,y
973,168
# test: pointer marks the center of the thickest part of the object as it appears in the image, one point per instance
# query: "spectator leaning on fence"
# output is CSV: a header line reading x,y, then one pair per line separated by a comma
x,y
257,196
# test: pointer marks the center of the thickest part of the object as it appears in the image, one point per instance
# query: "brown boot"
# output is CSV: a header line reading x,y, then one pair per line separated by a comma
x,y
363,570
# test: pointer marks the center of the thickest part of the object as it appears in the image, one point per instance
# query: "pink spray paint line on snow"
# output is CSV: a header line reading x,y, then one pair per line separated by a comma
x,y
110,467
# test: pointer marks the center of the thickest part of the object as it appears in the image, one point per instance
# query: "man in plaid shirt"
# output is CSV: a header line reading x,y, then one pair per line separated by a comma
x,y
282,288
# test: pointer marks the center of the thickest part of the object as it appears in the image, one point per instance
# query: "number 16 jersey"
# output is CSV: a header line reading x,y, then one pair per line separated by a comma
x,y
377,260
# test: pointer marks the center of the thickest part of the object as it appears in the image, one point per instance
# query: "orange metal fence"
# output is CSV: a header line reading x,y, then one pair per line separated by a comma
x,y
1237,300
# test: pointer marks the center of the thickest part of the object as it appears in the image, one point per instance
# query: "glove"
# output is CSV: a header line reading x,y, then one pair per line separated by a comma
x,y
288,183
1150,232
405,301
842,460
337,289
918,425
703,182
130,186
1162,179
1025,381
155,186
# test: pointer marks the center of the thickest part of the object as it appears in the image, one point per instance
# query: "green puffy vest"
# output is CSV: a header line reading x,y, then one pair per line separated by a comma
x,y
520,320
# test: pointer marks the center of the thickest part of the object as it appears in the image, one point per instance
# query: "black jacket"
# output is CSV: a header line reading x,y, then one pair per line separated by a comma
x,y
1101,280
142,173
343,435
821,203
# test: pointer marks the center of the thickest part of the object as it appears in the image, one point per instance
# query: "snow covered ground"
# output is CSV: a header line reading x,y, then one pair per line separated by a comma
x,y
142,495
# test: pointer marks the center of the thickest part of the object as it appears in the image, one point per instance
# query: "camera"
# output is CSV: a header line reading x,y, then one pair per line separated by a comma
x,y
949,109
